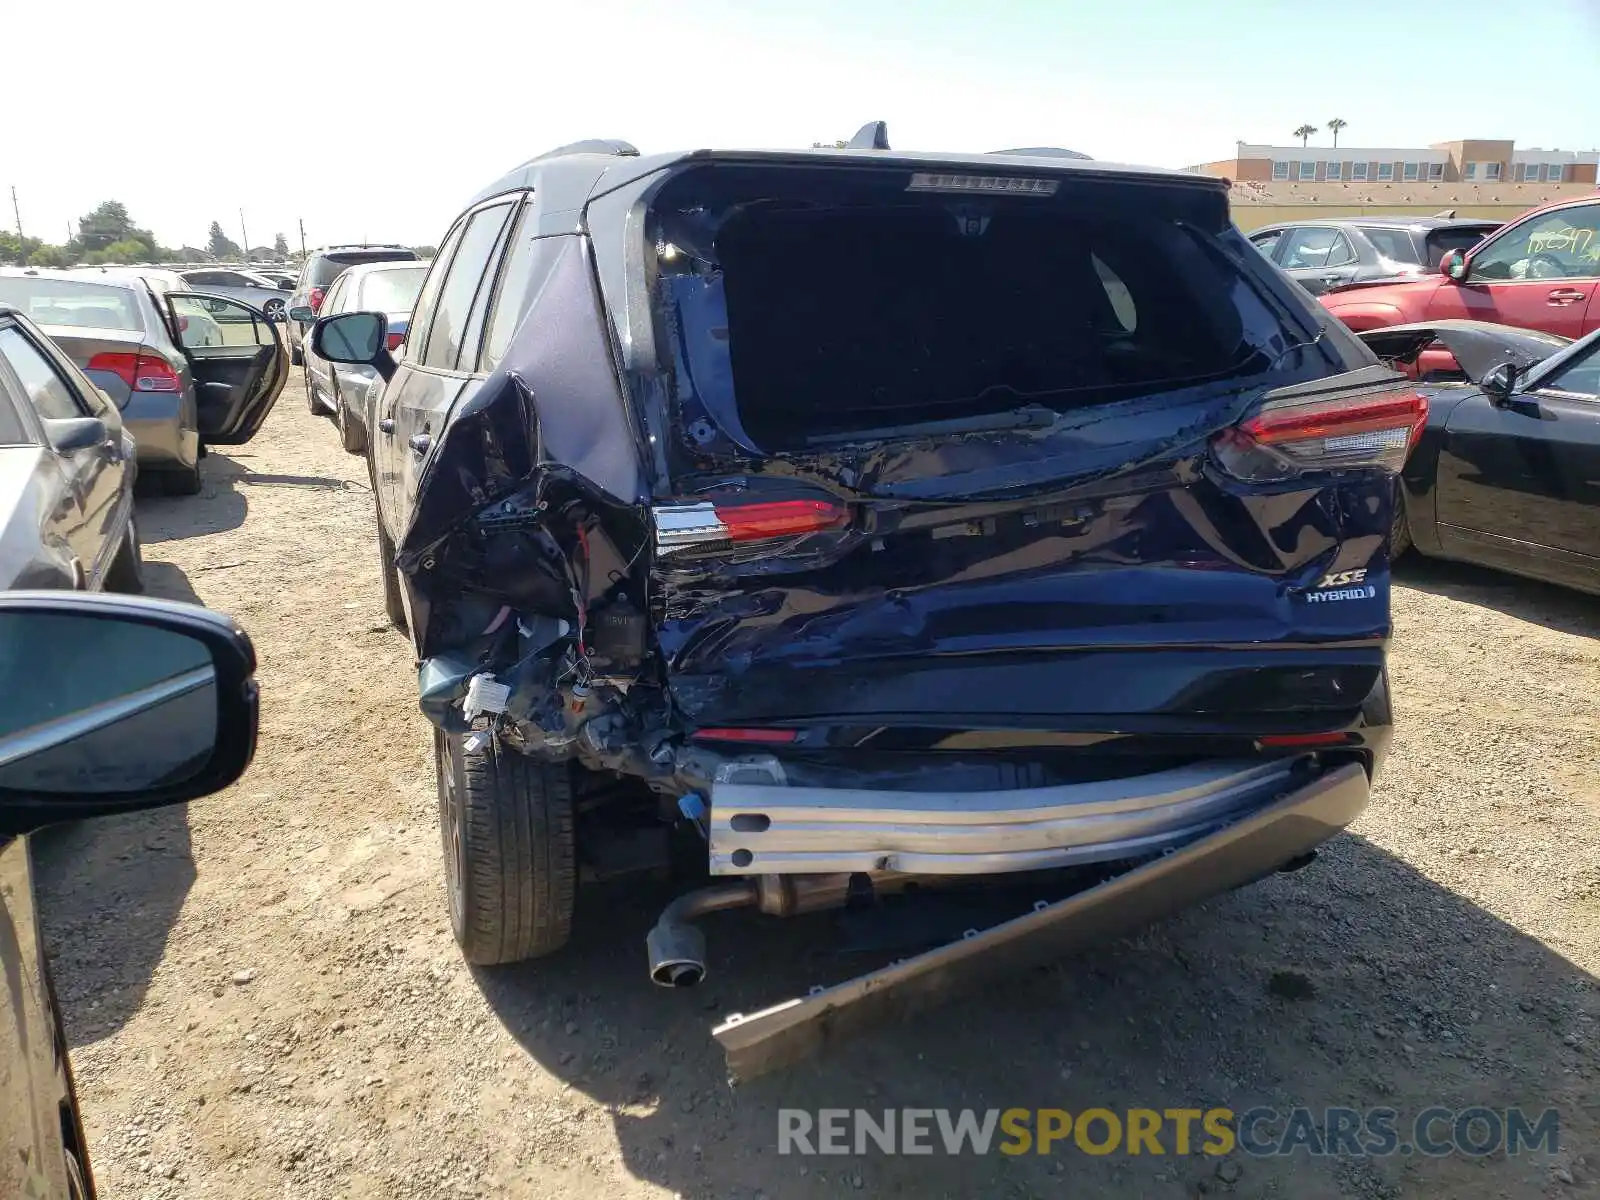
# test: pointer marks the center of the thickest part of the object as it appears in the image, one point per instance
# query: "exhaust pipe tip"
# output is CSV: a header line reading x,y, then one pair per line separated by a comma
x,y
677,955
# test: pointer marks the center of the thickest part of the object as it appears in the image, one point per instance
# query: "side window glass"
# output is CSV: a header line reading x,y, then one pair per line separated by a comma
x,y
1558,245
467,360
334,302
49,392
461,282
1308,247
212,321
511,298
1581,377
1340,254
428,297
1267,242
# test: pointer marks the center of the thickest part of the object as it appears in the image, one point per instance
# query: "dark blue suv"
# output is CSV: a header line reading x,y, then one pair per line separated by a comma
x,y
854,522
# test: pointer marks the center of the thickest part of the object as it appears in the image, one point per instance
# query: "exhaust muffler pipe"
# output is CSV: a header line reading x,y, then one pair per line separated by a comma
x,y
677,950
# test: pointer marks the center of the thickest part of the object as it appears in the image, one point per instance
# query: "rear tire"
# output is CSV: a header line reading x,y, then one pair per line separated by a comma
x,y
393,603
352,435
506,821
1400,529
295,357
126,572
183,482
311,396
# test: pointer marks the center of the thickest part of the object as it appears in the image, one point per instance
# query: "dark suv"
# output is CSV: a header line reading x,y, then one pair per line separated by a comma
x,y
319,271
854,522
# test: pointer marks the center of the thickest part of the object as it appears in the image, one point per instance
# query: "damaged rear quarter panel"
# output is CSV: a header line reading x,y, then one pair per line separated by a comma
x,y
553,406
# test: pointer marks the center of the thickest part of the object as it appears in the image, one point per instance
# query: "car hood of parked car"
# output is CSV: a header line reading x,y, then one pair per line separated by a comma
x,y
1478,346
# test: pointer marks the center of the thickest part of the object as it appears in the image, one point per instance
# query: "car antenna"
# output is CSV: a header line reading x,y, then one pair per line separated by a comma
x,y
874,135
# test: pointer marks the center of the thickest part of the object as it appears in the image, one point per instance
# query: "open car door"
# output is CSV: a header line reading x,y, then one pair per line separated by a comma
x,y
237,359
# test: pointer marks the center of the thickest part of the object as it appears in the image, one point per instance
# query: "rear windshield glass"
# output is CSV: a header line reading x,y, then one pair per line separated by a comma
x,y
1394,244
819,316
1442,241
326,268
390,291
65,302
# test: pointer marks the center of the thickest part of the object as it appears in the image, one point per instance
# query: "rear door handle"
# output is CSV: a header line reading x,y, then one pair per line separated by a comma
x,y
419,443
386,425
1564,296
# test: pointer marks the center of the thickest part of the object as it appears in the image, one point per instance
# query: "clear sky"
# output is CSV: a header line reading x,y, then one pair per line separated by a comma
x,y
377,120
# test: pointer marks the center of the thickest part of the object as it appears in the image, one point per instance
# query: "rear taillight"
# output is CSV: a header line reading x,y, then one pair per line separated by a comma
x,y
772,737
684,526
316,298
1374,430
141,371
395,339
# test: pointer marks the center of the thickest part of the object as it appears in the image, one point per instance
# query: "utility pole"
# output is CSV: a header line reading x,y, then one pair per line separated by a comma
x,y
17,211
244,233
302,221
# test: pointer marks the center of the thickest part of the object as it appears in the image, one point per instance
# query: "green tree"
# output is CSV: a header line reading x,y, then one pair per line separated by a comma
x,y
1304,132
106,224
280,245
14,250
220,244
425,251
1334,126
50,256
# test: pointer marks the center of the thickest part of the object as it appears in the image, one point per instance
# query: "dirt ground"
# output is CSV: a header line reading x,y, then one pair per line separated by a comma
x,y
264,999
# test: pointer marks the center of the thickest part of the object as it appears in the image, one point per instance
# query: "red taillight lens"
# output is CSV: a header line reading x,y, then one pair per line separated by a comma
x,y
316,298
1346,433
142,372
779,518
1303,739
686,526
769,736
395,339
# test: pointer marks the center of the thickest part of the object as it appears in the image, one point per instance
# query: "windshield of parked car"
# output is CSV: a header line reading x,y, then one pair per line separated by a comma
x,y
1463,238
70,303
390,291
1559,245
825,314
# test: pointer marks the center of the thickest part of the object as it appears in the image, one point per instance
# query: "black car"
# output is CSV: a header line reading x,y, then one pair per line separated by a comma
x,y
846,521
321,267
1321,254
66,472
1506,471
107,705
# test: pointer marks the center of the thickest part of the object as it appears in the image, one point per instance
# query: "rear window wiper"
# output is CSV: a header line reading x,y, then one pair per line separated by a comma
x,y
1030,416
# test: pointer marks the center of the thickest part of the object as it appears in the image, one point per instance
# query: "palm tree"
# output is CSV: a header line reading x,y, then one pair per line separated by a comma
x,y
1334,126
1304,132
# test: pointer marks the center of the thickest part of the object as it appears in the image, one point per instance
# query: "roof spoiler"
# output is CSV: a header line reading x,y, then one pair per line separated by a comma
x,y
612,146
1046,152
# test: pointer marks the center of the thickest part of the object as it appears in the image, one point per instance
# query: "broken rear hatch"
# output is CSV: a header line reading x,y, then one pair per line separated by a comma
x,y
1050,452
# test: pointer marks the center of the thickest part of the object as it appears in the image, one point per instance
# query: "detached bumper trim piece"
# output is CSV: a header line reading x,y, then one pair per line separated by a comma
x,y
770,829
1238,854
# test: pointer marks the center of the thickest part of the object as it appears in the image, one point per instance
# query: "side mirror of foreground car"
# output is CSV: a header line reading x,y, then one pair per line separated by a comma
x,y
358,338
113,704
70,434
1453,266
1500,383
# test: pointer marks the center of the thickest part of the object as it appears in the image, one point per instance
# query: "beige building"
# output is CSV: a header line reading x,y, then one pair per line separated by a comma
x,y
1471,177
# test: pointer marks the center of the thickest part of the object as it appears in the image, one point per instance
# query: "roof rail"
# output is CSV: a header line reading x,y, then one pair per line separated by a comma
x,y
613,146
1045,152
874,135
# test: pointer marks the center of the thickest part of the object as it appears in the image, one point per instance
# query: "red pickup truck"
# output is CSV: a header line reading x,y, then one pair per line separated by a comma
x,y
1541,271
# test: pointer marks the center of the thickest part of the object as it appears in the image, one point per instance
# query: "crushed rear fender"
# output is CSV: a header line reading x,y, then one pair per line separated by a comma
x,y
1241,853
